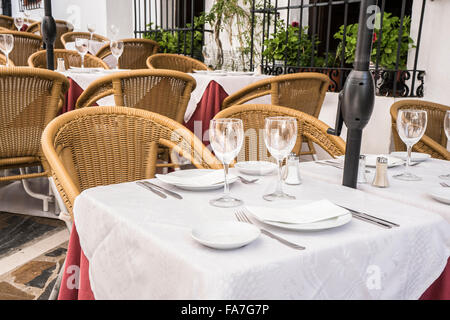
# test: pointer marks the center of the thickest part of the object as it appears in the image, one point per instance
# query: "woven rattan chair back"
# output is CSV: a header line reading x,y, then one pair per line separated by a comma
x,y
29,100
71,59
434,142
176,62
108,145
62,27
301,91
71,36
162,91
253,115
135,53
25,44
7,22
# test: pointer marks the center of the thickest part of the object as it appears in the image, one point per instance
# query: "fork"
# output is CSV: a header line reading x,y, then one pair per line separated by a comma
x,y
247,181
444,185
242,217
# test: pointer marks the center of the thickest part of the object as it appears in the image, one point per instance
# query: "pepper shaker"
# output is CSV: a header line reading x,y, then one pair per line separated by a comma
x,y
381,179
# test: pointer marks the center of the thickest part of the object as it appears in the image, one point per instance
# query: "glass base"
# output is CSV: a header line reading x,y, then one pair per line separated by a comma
x,y
226,202
445,176
407,177
278,196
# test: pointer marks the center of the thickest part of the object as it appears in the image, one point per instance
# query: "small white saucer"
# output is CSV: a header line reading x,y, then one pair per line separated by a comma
x,y
225,235
441,194
256,168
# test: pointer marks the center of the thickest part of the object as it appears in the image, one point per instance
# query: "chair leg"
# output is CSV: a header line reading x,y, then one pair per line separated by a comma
x,y
45,198
55,291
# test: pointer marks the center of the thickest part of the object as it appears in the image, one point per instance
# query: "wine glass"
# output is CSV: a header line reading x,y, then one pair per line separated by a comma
x,y
280,135
6,45
82,46
91,29
411,126
447,133
226,137
116,50
114,32
18,22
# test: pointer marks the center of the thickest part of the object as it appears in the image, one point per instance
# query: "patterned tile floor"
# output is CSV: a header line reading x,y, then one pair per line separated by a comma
x,y
35,278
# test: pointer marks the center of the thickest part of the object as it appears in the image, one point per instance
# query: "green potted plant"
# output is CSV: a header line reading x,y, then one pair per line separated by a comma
x,y
388,45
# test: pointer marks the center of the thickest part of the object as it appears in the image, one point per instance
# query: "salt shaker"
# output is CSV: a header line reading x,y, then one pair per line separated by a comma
x,y
362,169
381,179
61,65
292,170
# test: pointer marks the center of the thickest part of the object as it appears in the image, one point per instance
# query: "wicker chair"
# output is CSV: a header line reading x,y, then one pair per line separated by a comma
x,y
176,62
61,28
162,91
253,116
7,22
434,142
107,145
71,59
301,91
25,44
71,36
3,61
135,53
30,99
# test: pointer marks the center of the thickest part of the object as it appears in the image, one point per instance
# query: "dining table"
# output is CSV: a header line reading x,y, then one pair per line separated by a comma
x,y
205,101
129,243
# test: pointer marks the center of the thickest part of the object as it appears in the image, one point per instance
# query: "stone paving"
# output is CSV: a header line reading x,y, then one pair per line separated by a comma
x,y
34,279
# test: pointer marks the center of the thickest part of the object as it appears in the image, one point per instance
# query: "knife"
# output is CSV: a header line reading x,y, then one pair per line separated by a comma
x,y
169,192
159,193
368,216
380,224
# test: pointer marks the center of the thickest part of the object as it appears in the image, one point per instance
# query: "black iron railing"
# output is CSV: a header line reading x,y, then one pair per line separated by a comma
x,y
29,4
173,23
320,36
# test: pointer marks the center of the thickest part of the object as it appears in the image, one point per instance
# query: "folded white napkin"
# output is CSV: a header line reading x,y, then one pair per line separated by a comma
x,y
309,213
200,180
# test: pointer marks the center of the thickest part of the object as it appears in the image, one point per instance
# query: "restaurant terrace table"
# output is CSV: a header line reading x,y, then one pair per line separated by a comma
x,y
138,246
205,102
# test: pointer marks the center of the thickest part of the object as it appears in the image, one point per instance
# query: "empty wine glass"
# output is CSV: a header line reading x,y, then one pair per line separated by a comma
x,y
91,29
6,45
116,50
280,135
411,126
18,22
226,137
82,46
447,133
114,32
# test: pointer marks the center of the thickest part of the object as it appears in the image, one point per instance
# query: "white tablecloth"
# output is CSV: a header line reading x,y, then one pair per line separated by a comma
x,y
230,84
139,247
414,193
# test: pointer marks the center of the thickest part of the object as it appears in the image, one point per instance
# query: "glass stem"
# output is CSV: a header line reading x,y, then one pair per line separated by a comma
x,y
226,188
279,188
117,65
408,158
82,61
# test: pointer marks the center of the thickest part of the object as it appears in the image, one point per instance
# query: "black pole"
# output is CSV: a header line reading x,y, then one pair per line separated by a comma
x,y
48,29
357,98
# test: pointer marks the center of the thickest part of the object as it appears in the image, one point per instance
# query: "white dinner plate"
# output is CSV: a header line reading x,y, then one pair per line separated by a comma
x,y
415,156
441,194
225,235
319,225
256,168
201,71
193,173
81,70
